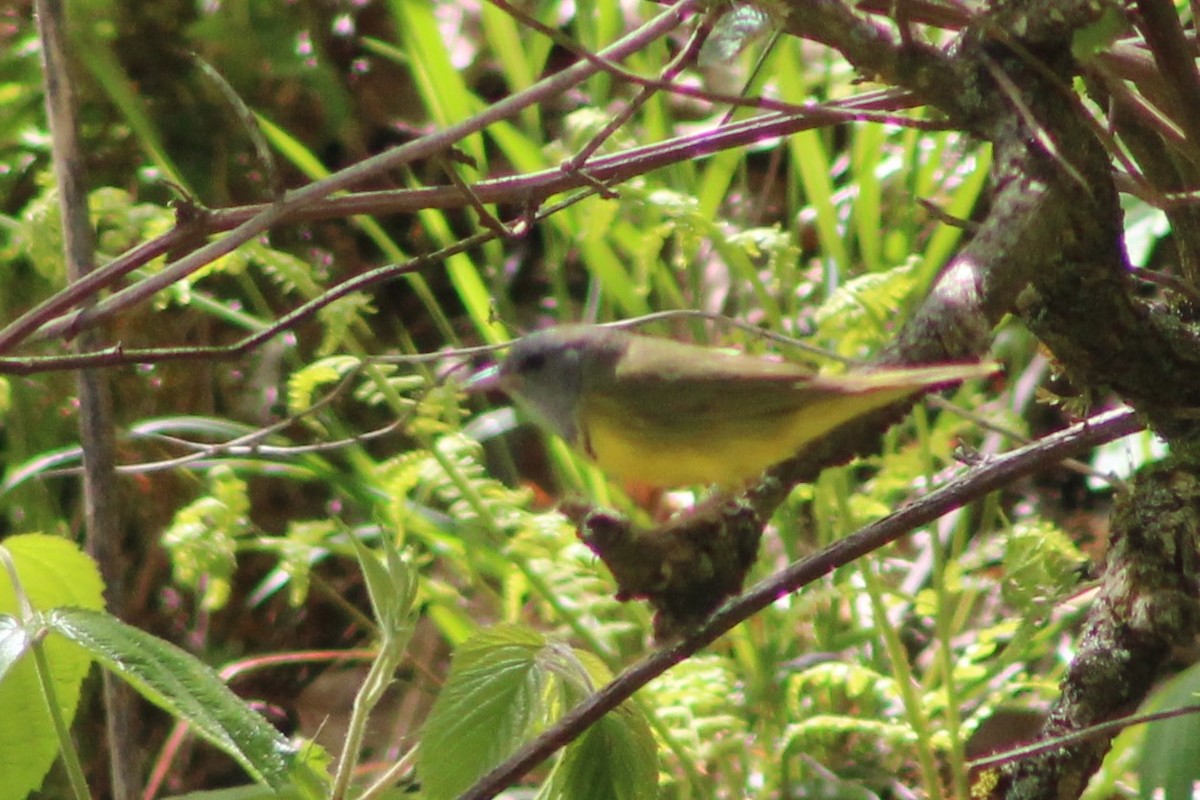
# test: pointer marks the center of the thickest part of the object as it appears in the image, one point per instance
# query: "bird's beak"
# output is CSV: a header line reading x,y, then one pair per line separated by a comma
x,y
485,380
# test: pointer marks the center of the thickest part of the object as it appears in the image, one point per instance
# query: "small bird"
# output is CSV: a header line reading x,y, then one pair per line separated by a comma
x,y
662,413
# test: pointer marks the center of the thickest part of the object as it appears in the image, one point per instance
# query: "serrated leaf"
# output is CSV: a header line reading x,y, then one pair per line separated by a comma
x,y
846,735
697,702
615,759
290,273
304,545
303,383
53,572
488,707
828,687
858,313
190,691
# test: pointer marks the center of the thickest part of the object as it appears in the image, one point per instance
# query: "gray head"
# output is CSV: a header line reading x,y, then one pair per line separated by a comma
x,y
544,372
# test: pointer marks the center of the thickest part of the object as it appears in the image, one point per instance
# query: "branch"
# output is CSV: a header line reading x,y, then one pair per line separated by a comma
x,y
103,528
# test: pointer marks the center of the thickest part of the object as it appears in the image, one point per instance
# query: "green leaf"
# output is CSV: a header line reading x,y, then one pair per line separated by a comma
x,y
340,318
856,315
615,759
490,704
39,236
697,702
202,538
189,690
975,172
441,83
392,586
1041,563
251,792
290,273
304,382
304,545
812,160
1170,765
53,572
869,170
291,148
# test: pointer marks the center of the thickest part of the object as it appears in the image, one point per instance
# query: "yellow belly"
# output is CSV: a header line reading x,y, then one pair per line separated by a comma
x,y
726,453
723,465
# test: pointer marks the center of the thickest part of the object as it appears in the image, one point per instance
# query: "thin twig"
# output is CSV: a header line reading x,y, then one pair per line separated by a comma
x,y
1066,740
576,162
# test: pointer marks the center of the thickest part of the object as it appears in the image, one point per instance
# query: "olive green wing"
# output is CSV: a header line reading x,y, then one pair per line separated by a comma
x,y
649,359
662,386
674,385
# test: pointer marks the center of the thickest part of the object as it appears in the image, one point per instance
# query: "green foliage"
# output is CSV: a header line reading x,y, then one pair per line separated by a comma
x,y
1041,564
615,758
39,236
1097,37
304,383
700,703
1170,767
846,716
289,273
391,481
857,314
507,682
122,223
302,545
392,586
339,318
492,699
52,573
177,682
22,129
202,537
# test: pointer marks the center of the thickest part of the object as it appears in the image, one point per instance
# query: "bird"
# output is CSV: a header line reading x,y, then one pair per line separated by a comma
x,y
662,413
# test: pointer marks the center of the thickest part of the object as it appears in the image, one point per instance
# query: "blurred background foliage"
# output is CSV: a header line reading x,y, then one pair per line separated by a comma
x,y
874,682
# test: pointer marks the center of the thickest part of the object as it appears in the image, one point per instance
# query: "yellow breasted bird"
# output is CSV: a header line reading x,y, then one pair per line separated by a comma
x,y
663,413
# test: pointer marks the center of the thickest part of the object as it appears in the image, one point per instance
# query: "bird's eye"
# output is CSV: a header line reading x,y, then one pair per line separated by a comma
x,y
533,362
